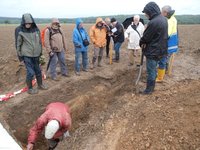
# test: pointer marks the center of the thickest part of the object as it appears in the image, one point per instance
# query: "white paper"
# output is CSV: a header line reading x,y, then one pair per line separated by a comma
x,y
6,141
114,30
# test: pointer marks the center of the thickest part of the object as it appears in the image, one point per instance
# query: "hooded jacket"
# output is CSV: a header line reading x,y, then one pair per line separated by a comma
x,y
28,41
98,35
54,111
155,36
56,42
78,39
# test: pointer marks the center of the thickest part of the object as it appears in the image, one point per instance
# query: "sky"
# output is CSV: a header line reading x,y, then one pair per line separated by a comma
x,y
88,8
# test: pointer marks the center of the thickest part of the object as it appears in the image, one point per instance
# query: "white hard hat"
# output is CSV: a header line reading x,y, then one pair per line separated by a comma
x,y
51,128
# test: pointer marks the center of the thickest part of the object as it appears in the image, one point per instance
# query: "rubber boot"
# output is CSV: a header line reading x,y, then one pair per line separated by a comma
x,y
99,61
149,88
41,86
93,63
160,75
30,87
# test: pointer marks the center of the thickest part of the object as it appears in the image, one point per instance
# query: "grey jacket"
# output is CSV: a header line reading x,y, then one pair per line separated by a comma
x,y
28,41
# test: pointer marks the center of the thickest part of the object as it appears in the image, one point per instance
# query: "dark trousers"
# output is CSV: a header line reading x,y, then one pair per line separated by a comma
x,y
107,45
32,67
151,65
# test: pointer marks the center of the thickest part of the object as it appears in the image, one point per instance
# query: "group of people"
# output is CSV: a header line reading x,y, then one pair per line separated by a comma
x,y
157,42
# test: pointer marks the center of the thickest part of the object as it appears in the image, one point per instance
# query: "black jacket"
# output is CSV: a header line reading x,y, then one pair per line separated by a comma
x,y
156,34
119,34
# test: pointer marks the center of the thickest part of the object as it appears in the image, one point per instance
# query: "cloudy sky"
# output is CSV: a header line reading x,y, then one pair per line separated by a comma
x,y
85,8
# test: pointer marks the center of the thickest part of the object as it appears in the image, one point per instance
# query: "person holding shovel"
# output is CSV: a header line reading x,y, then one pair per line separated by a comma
x,y
55,121
154,41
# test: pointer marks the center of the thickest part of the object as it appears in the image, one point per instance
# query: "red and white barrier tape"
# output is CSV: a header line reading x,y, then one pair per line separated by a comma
x,y
13,94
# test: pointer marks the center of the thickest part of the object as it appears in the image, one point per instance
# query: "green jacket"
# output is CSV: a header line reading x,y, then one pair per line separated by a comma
x,y
28,41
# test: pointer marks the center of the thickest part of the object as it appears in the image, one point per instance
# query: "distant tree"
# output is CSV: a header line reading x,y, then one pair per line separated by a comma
x,y
7,22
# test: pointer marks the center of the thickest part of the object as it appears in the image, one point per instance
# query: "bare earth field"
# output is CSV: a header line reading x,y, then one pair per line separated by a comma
x,y
106,112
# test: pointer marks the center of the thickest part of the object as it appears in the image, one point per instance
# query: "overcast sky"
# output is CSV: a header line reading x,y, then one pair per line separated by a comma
x,y
85,8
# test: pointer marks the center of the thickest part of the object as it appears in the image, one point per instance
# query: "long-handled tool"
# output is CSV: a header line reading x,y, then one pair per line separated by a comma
x,y
139,74
50,58
111,49
171,61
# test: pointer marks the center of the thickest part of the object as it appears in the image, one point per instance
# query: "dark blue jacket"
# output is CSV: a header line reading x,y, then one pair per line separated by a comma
x,y
156,34
77,40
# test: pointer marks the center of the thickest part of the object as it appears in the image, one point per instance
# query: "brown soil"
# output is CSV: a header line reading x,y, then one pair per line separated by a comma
x,y
106,112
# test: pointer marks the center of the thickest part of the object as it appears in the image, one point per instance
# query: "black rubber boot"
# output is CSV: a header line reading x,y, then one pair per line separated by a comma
x,y
99,61
30,88
41,86
149,88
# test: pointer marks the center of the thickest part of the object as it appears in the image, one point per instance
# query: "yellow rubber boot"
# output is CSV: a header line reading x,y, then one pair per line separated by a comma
x,y
160,75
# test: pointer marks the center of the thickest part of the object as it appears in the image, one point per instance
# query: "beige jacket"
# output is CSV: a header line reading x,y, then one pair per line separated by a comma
x,y
57,43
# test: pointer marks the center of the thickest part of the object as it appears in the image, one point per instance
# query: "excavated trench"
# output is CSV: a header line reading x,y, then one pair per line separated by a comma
x,y
84,97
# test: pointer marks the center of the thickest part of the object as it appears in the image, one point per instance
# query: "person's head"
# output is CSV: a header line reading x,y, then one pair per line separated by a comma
x,y
55,24
151,10
51,128
99,22
107,21
28,20
167,11
79,23
113,22
136,19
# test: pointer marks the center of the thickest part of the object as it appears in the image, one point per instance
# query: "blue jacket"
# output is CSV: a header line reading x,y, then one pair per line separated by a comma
x,y
77,40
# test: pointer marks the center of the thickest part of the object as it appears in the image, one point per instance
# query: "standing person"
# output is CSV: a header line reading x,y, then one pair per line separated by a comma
x,y
98,38
118,37
108,35
55,44
133,34
172,41
29,49
55,122
154,42
79,35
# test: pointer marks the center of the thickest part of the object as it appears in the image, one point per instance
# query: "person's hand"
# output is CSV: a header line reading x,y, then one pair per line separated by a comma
x,y
51,54
66,134
30,146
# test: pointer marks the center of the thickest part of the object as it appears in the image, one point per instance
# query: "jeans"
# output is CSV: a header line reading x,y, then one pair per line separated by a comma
x,y
117,49
151,69
78,60
58,57
32,67
163,62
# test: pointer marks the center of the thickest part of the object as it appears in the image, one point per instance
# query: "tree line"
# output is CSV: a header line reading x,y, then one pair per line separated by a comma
x,y
182,19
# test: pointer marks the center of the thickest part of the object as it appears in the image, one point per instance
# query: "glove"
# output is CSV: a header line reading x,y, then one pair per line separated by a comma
x,y
51,54
66,134
30,146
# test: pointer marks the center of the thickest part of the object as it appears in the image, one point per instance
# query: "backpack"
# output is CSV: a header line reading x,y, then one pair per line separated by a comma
x,y
50,34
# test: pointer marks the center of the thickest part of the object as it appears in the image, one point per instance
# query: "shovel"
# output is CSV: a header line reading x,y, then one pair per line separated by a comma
x,y
139,73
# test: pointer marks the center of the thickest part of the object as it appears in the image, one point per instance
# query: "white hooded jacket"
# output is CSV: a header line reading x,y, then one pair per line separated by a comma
x,y
133,37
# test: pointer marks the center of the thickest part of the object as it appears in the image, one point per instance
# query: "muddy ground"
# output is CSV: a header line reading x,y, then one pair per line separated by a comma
x,y
106,112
